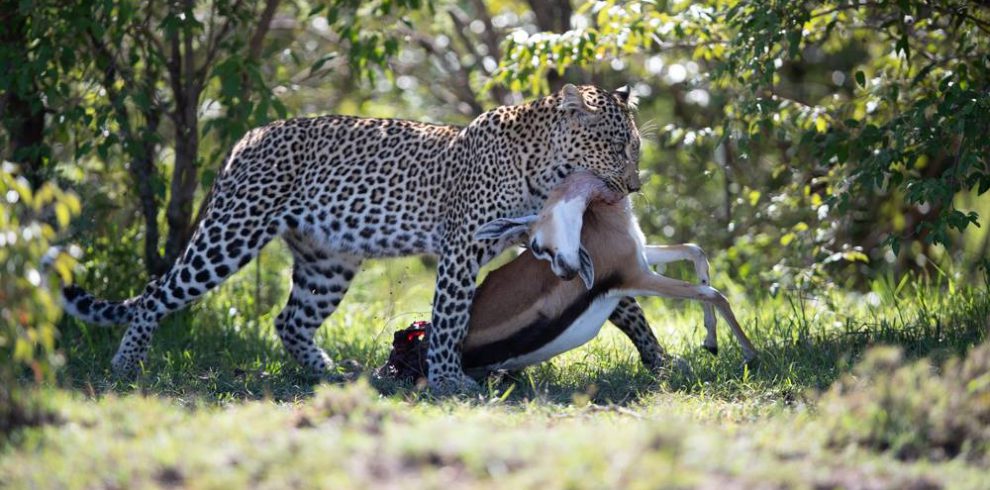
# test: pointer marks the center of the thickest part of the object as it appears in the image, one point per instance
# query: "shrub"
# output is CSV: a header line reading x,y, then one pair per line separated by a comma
x,y
29,221
913,410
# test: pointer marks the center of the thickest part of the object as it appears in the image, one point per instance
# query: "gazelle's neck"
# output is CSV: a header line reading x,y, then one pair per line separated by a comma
x,y
562,217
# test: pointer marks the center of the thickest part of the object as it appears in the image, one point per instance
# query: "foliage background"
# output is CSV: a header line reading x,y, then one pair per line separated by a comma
x,y
803,144
831,158
806,146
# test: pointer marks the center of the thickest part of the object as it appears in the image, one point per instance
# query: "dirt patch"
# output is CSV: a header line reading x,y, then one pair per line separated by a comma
x,y
170,477
19,410
851,479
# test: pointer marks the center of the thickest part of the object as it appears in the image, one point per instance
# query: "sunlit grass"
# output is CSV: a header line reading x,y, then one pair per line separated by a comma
x,y
225,346
221,404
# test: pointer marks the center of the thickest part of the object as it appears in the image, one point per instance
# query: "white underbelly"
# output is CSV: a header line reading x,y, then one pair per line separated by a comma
x,y
584,328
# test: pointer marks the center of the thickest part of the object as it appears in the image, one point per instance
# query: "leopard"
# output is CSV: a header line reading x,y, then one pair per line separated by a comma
x,y
342,189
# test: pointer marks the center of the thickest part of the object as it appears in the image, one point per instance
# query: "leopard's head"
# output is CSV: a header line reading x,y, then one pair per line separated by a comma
x,y
597,132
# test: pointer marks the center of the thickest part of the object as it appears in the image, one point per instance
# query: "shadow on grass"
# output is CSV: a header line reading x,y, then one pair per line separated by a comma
x,y
187,361
227,363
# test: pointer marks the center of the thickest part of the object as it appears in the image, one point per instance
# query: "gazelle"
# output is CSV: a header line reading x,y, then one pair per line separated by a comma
x,y
525,313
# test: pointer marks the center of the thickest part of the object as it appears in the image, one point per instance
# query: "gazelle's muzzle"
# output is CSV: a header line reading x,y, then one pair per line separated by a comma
x,y
562,266
566,266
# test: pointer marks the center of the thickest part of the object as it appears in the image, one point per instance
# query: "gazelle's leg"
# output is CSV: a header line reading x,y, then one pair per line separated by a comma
x,y
629,317
652,284
663,254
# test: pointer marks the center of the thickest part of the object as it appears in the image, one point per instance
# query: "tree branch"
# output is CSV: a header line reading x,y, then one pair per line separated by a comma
x,y
174,67
960,12
490,37
214,40
461,85
264,24
189,65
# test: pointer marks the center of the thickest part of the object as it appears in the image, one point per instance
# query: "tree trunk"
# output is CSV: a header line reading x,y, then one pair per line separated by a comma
x,y
141,146
143,170
24,120
22,112
553,16
186,90
184,177
187,86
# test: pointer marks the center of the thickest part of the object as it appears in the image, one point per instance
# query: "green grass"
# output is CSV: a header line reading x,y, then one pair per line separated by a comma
x,y
220,404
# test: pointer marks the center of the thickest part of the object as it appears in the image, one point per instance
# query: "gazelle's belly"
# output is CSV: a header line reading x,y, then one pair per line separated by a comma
x,y
584,328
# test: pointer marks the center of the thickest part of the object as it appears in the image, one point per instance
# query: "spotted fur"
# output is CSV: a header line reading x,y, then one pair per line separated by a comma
x,y
341,189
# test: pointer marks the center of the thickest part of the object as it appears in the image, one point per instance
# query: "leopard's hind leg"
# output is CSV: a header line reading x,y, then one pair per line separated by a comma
x,y
630,319
228,237
319,282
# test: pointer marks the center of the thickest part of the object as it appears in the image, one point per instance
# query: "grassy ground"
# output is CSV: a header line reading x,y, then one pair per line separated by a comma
x,y
220,404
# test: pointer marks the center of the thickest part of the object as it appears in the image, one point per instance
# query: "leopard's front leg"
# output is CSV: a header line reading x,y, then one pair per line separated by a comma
x,y
456,273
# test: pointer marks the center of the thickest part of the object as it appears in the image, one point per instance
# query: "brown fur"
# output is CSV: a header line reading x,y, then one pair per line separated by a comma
x,y
516,295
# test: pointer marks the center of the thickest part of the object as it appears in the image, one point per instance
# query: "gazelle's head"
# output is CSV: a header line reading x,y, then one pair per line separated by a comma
x,y
555,233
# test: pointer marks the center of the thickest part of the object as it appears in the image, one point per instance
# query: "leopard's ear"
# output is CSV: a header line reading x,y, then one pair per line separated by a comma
x,y
572,100
627,97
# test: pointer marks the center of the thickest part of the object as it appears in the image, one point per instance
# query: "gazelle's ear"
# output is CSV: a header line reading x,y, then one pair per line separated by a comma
x,y
587,271
504,227
572,100
626,96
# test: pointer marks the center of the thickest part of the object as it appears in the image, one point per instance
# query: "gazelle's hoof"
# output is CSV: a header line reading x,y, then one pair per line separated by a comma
x,y
711,350
752,363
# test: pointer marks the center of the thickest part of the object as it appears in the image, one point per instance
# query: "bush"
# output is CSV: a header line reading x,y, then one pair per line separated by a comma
x,y
29,221
913,410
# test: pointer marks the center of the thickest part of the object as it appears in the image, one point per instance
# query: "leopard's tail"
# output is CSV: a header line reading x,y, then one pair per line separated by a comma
x,y
80,304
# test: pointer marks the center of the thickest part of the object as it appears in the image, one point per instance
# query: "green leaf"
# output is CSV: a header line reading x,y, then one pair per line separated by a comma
x,y
62,214
821,123
322,61
861,78
793,43
754,197
855,256
921,74
904,47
